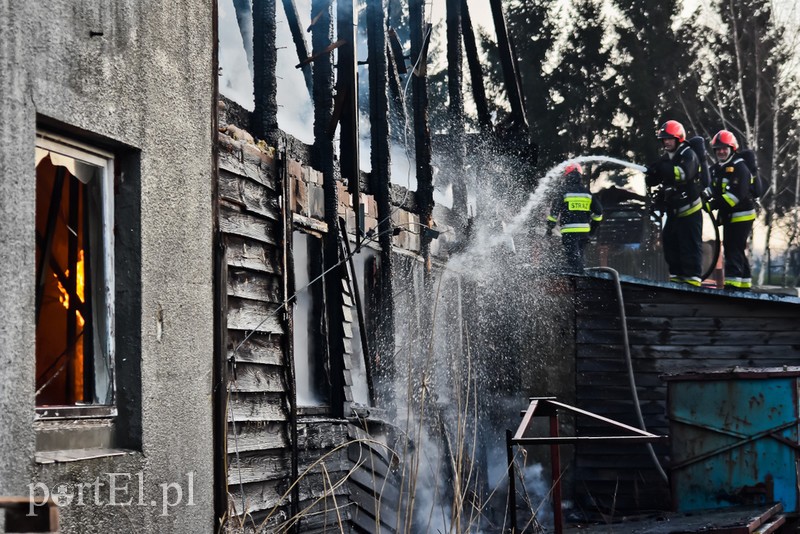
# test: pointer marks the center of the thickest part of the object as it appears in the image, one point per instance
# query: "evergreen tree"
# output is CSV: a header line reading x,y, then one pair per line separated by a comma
x,y
584,89
533,31
754,95
652,60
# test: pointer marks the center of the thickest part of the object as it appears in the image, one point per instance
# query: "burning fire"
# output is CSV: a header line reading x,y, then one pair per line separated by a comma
x,y
63,298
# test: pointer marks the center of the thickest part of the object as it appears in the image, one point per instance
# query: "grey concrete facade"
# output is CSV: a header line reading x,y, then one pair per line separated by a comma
x,y
138,75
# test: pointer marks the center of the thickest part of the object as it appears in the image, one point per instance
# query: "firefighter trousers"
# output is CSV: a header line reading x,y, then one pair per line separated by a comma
x,y
737,268
574,245
683,246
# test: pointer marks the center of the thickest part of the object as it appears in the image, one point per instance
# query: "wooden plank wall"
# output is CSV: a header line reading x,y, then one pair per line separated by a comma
x,y
670,330
258,442
346,481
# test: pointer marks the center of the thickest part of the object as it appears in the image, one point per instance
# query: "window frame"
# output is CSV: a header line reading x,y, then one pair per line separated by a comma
x,y
320,360
104,161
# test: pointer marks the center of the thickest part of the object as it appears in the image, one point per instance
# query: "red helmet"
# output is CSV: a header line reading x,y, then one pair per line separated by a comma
x,y
573,167
723,139
672,130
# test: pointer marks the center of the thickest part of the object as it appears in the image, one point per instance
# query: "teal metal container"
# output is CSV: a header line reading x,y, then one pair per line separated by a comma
x,y
734,437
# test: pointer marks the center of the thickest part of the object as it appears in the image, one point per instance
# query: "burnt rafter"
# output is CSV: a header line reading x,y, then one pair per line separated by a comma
x,y
475,70
509,64
395,85
397,52
347,94
292,18
381,185
324,52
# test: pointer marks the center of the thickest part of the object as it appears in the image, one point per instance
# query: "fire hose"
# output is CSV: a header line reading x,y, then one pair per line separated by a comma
x,y
717,245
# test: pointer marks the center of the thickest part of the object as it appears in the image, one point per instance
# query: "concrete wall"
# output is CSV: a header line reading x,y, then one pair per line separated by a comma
x,y
139,74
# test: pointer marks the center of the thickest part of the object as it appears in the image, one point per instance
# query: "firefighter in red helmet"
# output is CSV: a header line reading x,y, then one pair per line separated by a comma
x,y
677,176
730,184
578,213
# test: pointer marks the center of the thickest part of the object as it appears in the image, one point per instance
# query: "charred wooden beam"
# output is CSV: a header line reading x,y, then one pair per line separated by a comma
x,y
422,131
508,62
380,158
324,52
290,8
395,85
265,114
244,19
456,109
347,88
475,70
397,52
321,36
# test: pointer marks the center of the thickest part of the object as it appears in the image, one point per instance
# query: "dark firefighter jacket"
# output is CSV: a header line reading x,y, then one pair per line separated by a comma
x,y
575,208
730,181
679,178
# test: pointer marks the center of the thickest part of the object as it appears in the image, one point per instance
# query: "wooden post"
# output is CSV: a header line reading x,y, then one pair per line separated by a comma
x,y
265,114
347,90
422,132
381,176
509,64
321,36
456,110
555,467
512,484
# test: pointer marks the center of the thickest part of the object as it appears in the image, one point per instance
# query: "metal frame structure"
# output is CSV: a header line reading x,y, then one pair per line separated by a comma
x,y
549,407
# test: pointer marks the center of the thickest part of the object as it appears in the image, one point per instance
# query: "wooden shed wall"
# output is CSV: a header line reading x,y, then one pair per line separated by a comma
x,y
670,330
258,456
340,465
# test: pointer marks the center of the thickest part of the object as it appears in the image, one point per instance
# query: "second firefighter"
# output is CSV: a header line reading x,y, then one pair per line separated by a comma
x,y
578,213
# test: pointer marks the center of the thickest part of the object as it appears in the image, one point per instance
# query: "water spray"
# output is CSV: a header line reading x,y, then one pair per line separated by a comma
x,y
486,240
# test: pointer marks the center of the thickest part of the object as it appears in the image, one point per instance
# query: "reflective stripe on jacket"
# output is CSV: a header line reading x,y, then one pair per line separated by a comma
x,y
575,208
730,183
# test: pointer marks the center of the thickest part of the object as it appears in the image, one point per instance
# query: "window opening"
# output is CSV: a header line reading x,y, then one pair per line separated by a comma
x,y
310,359
74,275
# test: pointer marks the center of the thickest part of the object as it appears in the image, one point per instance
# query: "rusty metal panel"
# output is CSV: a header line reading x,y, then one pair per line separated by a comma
x,y
734,439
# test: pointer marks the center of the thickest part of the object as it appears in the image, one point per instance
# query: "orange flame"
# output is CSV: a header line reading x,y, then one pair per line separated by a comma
x,y
63,298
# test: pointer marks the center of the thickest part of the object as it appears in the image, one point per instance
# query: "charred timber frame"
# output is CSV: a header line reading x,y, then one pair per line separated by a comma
x,y
265,114
508,62
396,65
290,8
475,70
456,109
380,158
322,32
347,90
422,131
